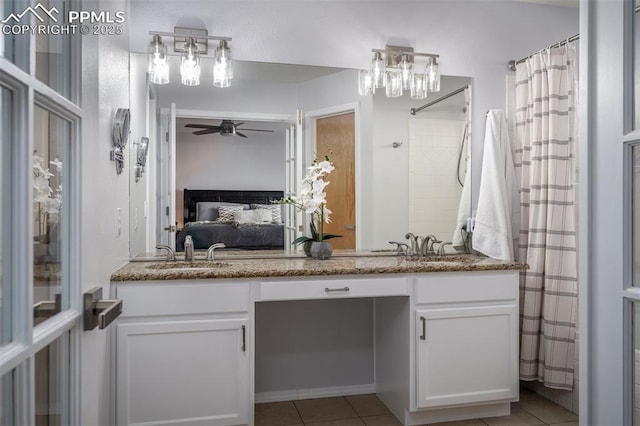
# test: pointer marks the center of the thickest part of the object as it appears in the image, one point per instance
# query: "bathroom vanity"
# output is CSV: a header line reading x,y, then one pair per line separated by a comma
x,y
445,334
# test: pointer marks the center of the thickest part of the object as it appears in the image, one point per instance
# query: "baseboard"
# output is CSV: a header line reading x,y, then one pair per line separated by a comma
x,y
296,394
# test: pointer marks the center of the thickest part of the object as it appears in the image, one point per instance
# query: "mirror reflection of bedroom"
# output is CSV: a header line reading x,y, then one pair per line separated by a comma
x,y
377,192
227,174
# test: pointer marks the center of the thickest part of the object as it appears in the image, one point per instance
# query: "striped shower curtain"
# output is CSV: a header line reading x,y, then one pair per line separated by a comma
x,y
544,154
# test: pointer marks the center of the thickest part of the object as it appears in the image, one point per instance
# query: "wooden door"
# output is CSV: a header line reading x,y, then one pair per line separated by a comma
x,y
335,137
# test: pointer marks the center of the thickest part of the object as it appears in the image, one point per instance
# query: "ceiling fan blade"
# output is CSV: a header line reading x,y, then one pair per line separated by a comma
x,y
206,131
259,130
237,124
240,134
201,126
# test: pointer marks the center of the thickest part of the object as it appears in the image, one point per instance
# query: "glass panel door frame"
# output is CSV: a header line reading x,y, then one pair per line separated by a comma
x,y
630,140
17,356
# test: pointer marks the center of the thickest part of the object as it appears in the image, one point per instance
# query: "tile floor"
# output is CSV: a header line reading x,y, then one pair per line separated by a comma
x,y
358,410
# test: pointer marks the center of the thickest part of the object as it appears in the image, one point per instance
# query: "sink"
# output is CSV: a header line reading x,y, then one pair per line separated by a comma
x,y
458,258
187,266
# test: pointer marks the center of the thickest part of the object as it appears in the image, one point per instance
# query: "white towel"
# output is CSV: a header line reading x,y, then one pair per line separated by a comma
x,y
498,211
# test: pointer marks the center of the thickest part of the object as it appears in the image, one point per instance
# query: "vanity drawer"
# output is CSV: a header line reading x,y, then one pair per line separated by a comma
x,y
333,288
179,298
462,287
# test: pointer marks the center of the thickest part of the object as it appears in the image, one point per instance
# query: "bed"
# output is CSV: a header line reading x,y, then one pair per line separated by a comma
x,y
202,220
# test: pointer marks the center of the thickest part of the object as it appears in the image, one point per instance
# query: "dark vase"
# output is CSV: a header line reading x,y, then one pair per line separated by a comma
x,y
307,248
321,250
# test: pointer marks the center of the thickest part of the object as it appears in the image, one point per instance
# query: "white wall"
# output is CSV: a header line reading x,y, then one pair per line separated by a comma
x,y
229,162
105,86
138,208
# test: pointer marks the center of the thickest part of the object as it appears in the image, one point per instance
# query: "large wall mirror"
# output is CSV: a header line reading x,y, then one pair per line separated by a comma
x,y
408,171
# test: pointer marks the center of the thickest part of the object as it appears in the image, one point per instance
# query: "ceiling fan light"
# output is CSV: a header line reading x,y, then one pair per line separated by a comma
x,y
158,61
190,65
222,65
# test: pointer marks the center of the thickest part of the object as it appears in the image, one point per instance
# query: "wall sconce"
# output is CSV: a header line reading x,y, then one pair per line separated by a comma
x,y
192,44
142,148
394,68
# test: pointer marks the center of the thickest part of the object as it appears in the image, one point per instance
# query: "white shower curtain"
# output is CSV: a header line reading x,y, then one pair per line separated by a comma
x,y
544,154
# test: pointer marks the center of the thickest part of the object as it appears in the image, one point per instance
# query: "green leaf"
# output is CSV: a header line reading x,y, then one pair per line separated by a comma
x,y
329,236
301,240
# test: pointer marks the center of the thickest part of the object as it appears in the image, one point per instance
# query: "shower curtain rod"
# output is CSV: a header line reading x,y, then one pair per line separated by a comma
x,y
427,105
512,63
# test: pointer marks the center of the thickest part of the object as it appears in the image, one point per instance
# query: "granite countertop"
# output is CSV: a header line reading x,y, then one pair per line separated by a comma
x,y
295,267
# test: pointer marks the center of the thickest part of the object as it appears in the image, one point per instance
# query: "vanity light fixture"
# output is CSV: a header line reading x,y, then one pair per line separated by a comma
x,y
395,69
192,44
190,64
158,61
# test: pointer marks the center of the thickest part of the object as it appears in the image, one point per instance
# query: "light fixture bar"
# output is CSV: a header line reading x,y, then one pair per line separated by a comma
x,y
399,50
182,35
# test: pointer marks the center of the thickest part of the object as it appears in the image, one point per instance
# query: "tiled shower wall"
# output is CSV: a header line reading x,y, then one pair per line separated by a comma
x,y
434,191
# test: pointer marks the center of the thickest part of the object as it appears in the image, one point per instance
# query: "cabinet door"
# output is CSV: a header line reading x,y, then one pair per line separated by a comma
x,y
466,355
186,372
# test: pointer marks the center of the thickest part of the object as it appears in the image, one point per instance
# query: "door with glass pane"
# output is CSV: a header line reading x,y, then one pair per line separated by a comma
x,y
40,303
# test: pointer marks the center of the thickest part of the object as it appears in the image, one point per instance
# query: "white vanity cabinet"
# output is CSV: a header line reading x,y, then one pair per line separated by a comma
x,y
182,354
465,339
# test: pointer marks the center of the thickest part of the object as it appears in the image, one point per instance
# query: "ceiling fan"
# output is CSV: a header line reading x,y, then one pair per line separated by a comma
x,y
226,128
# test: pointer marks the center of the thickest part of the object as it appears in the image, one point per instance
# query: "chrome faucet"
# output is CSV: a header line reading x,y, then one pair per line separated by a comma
x,y
442,246
426,248
210,255
401,248
188,248
171,254
413,246
420,246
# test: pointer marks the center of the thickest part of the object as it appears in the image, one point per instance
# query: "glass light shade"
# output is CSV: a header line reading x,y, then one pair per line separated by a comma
x,y
365,83
406,68
190,66
222,65
432,75
418,87
377,70
394,83
158,61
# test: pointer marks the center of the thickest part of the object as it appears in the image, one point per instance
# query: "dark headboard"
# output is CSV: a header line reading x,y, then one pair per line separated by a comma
x,y
194,196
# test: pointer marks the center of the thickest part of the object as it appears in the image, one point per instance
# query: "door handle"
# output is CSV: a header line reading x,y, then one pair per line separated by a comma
x,y
171,228
48,308
335,290
97,311
424,328
350,227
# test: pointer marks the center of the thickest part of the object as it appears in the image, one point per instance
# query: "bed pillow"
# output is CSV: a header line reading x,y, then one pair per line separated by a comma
x,y
227,213
252,216
208,210
275,209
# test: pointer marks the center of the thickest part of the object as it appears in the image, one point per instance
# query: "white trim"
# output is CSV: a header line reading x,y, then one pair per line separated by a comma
x,y
310,148
584,216
297,394
226,115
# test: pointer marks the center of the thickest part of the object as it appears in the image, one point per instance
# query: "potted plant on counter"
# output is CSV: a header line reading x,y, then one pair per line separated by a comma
x,y
313,200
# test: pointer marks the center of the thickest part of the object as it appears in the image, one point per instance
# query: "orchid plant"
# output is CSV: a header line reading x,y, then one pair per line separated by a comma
x,y
46,201
313,200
